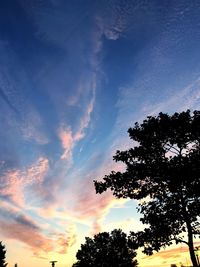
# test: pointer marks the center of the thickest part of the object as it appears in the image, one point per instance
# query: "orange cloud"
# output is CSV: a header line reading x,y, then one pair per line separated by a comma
x,y
17,226
166,257
65,241
28,234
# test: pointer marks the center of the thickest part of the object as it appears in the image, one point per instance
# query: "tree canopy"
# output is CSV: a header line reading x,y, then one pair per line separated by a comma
x,y
163,172
106,249
2,255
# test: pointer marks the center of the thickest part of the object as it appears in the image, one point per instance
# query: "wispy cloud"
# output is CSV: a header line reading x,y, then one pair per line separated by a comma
x,y
116,19
67,240
20,227
183,99
67,141
14,182
26,122
68,138
5,98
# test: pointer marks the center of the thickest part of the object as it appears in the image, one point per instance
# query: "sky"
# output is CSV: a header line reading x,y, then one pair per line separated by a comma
x,y
74,76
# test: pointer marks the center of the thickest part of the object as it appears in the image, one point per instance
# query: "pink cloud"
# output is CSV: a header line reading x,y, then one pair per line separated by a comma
x,y
66,136
37,171
79,201
14,182
67,240
90,206
15,225
67,141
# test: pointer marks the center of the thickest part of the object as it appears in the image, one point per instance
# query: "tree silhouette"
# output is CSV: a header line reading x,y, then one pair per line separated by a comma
x,y
106,250
2,255
163,172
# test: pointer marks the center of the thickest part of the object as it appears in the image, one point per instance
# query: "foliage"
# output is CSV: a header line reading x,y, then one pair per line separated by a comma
x,y
162,171
2,255
106,249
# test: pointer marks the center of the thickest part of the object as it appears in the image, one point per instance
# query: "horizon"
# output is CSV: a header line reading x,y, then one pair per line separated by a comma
x,y
74,76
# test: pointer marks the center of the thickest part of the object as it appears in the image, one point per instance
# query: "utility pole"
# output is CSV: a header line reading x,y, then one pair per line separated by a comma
x,y
53,263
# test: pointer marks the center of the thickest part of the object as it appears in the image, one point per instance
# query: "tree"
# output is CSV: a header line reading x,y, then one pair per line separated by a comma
x,y
163,172
106,250
2,255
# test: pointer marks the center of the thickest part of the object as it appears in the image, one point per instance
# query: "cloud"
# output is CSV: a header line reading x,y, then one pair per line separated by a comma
x,y
5,98
66,241
85,120
115,18
89,207
92,207
67,141
14,182
16,226
167,256
50,188
28,235
78,201
183,99
127,225
74,99
24,120
31,126
68,138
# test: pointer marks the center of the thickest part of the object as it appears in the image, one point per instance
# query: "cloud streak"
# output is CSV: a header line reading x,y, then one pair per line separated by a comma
x,y
68,138
14,182
20,227
6,99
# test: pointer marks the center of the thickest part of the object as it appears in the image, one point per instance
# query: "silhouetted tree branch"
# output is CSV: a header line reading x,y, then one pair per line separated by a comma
x,y
2,255
163,172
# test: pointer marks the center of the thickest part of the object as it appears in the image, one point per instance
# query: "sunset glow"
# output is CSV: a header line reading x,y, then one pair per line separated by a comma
x,y
74,76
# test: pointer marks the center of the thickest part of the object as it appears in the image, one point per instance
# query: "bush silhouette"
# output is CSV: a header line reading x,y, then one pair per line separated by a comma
x,y
106,249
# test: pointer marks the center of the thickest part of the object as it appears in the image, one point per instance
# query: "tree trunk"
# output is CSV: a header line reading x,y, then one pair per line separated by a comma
x,y
191,247
189,231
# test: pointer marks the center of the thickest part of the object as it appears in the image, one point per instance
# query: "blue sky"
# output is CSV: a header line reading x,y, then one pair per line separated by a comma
x,y
74,76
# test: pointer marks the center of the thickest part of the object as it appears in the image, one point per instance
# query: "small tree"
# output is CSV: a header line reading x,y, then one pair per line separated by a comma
x,y
2,255
106,249
163,172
